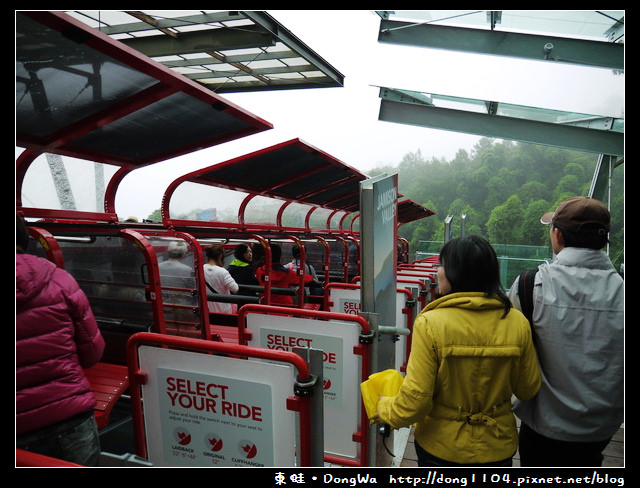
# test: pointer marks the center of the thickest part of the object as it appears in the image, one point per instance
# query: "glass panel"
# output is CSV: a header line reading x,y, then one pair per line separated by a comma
x,y
336,220
176,265
194,201
162,126
319,218
64,183
516,111
53,93
253,60
583,24
340,253
294,215
112,274
199,202
262,210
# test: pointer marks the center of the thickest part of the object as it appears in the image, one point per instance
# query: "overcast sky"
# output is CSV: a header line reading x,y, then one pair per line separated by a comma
x,y
344,121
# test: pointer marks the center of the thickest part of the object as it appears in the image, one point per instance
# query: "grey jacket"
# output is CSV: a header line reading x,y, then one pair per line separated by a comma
x,y
578,316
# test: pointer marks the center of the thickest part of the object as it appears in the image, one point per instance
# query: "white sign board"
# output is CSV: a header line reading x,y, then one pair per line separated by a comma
x,y
202,410
341,368
347,300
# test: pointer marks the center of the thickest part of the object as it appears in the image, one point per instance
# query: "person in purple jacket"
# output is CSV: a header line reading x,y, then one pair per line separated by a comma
x,y
56,338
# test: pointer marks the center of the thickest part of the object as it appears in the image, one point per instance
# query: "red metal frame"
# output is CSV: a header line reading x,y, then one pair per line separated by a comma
x,y
427,267
137,377
198,269
169,82
430,259
353,222
362,436
301,271
418,274
28,459
409,325
423,289
400,279
50,245
345,261
356,286
154,276
132,235
48,213
404,245
327,291
327,258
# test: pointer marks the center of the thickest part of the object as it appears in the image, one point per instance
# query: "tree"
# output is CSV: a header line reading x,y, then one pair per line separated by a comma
x,y
503,226
568,184
156,216
533,190
533,232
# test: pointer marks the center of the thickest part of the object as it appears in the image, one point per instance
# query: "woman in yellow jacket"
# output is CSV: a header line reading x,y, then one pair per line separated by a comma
x,y
470,353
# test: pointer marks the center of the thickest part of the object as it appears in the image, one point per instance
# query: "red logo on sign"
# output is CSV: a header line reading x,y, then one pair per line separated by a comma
x,y
216,444
250,450
184,438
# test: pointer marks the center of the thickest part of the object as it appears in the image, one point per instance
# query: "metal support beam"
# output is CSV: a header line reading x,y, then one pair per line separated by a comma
x,y
601,182
201,41
448,224
571,137
294,43
526,46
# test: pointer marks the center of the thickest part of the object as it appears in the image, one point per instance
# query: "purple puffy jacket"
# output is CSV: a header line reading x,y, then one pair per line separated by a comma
x,y
56,337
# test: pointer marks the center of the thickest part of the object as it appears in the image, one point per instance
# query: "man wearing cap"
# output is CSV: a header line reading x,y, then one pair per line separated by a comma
x,y
173,271
578,329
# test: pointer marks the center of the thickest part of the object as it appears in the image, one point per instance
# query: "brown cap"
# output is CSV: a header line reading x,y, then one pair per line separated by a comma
x,y
575,212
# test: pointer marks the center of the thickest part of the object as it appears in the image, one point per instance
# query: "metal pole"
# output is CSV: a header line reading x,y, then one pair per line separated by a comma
x,y
313,357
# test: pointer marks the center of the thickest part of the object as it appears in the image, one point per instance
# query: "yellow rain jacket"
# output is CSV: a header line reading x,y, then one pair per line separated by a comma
x,y
466,362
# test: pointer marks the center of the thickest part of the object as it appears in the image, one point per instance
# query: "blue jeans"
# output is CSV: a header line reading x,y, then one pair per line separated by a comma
x,y
429,460
75,440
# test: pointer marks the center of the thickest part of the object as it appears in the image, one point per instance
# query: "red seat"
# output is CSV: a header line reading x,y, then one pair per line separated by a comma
x,y
223,333
108,382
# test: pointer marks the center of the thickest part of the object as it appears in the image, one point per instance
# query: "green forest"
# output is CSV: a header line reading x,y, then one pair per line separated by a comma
x,y
503,188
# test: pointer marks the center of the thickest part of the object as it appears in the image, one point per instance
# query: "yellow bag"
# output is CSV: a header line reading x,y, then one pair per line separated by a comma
x,y
384,383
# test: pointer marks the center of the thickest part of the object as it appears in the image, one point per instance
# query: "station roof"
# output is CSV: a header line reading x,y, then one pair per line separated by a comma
x,y
408,211
589,38
225,51
126,88
298,172
584,37
80,93
593,38
578,131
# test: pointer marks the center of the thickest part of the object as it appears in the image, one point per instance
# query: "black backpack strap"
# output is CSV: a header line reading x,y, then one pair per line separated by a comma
x,y
210,287
525,291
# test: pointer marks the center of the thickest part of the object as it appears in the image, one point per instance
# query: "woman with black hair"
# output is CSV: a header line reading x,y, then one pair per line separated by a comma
x,y
470,353
242,269
218,280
